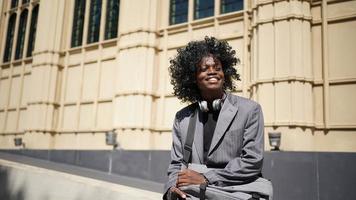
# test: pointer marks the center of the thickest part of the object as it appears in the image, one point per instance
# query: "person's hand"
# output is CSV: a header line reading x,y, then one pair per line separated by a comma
x,y
189,177
177,192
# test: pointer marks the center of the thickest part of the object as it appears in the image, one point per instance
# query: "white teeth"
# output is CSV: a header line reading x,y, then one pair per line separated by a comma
x,y
212,80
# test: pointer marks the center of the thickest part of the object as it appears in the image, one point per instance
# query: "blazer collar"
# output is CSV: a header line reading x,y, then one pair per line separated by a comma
x,y
227,114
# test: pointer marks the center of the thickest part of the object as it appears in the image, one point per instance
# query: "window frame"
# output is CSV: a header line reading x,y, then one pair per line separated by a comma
x,y
21,35
197,11
95,12
224,10
32,31
111,29
79,10
10,35
171,11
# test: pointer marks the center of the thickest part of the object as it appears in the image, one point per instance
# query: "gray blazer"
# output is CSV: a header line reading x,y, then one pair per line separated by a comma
x,y
236,148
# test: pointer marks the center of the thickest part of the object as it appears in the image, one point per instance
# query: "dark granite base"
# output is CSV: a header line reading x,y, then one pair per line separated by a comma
x,y
295,175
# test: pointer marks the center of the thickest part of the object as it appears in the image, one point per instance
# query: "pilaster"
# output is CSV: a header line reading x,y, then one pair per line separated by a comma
x,y
282,76
136,67
45,74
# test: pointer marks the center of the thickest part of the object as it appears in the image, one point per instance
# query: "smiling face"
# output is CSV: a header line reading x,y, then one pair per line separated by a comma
x,y
210,78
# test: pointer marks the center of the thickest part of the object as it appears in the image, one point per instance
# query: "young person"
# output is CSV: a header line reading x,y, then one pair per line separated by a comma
x,y
228,136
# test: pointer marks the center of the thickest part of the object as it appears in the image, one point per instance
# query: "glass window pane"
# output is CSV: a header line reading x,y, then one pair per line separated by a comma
x,y
14,3
21,35
9,38
78,23
231,6
25,1
33,28
178,11
203,8
94,21
112,18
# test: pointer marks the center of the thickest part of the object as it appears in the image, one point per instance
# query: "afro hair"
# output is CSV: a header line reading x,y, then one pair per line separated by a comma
x,y
183,67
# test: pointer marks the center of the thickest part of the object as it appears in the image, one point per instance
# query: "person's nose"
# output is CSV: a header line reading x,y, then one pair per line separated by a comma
x,y
211,69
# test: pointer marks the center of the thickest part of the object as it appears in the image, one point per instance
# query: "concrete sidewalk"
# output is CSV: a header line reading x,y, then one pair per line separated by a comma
x,y
25,182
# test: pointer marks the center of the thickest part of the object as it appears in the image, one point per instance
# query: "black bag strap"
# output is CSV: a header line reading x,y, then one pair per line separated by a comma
x,y
202,189
256,196
187,151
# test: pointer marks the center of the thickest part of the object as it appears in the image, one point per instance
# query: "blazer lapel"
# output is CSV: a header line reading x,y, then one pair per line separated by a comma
x,y
198,137
227,114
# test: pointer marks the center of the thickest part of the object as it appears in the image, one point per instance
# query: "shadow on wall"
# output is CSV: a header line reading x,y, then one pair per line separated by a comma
x,y
7,191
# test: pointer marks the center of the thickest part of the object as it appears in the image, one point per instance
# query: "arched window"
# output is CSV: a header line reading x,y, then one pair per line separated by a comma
x,y
78,23
112,18
94,21
21,34
14,3
33,28
9,38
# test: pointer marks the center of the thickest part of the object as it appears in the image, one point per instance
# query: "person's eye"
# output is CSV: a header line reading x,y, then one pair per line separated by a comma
x,y
203,68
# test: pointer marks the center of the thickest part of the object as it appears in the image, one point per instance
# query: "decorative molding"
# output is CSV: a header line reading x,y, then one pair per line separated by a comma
x,y
5,65
313,126
104,100
93,131
12,133
304,80
73,131
50,131
342,127
75,50
202,23
77,64
52,64
266,2
139,46
290,124
281,18
43,103
231,17
70,103
342,81
136,93
139,30
331,20
4,77
110,42
108,58
174,29
92,46
91,61
282,79
35,53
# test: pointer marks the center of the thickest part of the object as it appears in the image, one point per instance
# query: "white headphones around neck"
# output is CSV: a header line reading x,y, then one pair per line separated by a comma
x,y
216,105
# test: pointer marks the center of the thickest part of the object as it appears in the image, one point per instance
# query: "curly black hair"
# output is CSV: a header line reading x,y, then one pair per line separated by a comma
x,y
183,67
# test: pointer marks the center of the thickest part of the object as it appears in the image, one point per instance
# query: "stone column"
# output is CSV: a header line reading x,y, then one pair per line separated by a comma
x,y
45,75
135,73
282,76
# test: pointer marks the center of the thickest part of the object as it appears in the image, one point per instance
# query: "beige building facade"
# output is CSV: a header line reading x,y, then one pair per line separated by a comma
x,y
298,60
